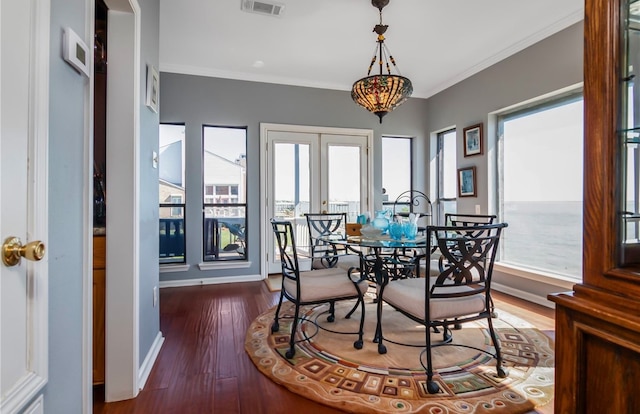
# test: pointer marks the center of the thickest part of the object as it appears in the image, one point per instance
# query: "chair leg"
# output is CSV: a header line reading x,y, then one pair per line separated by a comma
x,y
332,312
355,284
501,371
494,314
275,327
348,316
292,349
359,343
378,335
447,336
432,386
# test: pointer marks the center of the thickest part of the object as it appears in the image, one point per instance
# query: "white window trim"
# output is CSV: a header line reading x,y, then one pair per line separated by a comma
x,y
225,264
552,279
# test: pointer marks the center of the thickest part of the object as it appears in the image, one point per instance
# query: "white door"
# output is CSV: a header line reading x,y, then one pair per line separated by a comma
x,y
314,170
24,67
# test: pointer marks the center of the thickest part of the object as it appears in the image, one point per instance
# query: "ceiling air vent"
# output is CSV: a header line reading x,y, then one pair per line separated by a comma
x,y
263,7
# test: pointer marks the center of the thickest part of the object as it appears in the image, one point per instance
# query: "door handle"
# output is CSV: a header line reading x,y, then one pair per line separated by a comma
x,y
13,251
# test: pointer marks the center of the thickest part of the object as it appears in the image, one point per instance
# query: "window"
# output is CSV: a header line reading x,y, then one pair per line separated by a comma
x,y
176,211
446,175
172,193
224,193
396,168
540,182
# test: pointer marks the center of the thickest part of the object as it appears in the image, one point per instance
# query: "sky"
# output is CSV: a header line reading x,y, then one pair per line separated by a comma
x,y
543,157
228,143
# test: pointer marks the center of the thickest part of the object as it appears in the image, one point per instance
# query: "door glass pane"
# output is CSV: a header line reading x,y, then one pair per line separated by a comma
x,y
344,181
291,180
291,188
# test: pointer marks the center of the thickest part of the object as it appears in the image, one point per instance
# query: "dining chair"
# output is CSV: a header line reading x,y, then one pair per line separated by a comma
x,y
323,253
461,293
313,287
418,203
413,201
458,219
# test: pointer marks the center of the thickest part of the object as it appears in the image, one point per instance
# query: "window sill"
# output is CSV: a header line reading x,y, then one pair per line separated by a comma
x,y
231,264
562,282
170,268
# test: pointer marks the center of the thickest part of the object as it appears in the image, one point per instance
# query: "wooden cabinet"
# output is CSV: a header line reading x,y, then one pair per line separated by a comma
x,y
99,291
598,324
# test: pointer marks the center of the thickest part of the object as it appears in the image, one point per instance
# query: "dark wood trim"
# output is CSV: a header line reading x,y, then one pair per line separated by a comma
x,y
598,325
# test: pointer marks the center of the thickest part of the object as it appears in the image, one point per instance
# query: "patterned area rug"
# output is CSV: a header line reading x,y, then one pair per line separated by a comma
x,y
327,369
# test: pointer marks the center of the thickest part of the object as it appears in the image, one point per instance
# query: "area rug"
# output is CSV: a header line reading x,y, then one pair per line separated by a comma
x,y
327,369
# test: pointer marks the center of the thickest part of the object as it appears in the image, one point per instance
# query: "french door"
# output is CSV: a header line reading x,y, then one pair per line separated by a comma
x,y
313,170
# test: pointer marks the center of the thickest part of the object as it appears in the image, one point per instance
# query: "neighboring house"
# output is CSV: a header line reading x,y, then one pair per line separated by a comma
x,y
170,194
224,179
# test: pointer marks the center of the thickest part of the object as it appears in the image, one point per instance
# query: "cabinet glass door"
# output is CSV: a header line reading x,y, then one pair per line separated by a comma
x,y
629,191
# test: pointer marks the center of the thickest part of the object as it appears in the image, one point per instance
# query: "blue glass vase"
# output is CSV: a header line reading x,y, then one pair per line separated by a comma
x,y
381,222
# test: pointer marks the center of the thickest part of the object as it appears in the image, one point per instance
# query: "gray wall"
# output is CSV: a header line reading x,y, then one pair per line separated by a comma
x,y
63,393
196,100
67,144
550,65
148,188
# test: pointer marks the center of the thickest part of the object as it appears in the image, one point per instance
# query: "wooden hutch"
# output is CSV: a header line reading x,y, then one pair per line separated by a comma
x,y
598,324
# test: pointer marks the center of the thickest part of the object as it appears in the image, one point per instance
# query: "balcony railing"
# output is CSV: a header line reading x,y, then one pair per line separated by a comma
x,y
172,234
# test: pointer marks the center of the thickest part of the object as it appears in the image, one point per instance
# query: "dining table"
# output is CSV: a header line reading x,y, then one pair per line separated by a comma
x,y
381,253
383,258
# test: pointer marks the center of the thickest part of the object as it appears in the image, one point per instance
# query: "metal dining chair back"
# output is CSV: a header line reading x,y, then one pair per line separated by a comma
x,y
326,225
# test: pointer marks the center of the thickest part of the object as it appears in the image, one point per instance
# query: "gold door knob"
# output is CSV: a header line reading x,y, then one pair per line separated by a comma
x,y
13,251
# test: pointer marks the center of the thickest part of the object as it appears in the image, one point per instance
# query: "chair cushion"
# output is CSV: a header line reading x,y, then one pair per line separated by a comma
x,y
324,284
434,268
408,295
347,261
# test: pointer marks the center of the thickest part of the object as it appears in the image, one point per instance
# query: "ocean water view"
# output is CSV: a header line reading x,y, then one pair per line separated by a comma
x,y
544,235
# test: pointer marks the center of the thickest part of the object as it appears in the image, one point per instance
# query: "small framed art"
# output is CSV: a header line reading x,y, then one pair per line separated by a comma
x,y
467,182
473,140
153,84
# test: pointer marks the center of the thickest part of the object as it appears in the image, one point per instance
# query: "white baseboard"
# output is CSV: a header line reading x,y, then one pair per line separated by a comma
x,y
523,295
149,360
210,281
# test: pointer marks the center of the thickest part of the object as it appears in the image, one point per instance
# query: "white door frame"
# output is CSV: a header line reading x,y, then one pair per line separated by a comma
x,y
122,367
265,229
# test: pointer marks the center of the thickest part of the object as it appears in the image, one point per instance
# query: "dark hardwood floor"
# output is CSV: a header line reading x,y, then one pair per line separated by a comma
x,y
203,367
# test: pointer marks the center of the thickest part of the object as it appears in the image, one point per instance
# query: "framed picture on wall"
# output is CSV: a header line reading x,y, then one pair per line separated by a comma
x,y
153,85
467,182
473,140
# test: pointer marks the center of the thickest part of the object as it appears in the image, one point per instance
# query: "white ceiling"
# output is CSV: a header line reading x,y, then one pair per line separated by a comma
x,y
329,43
